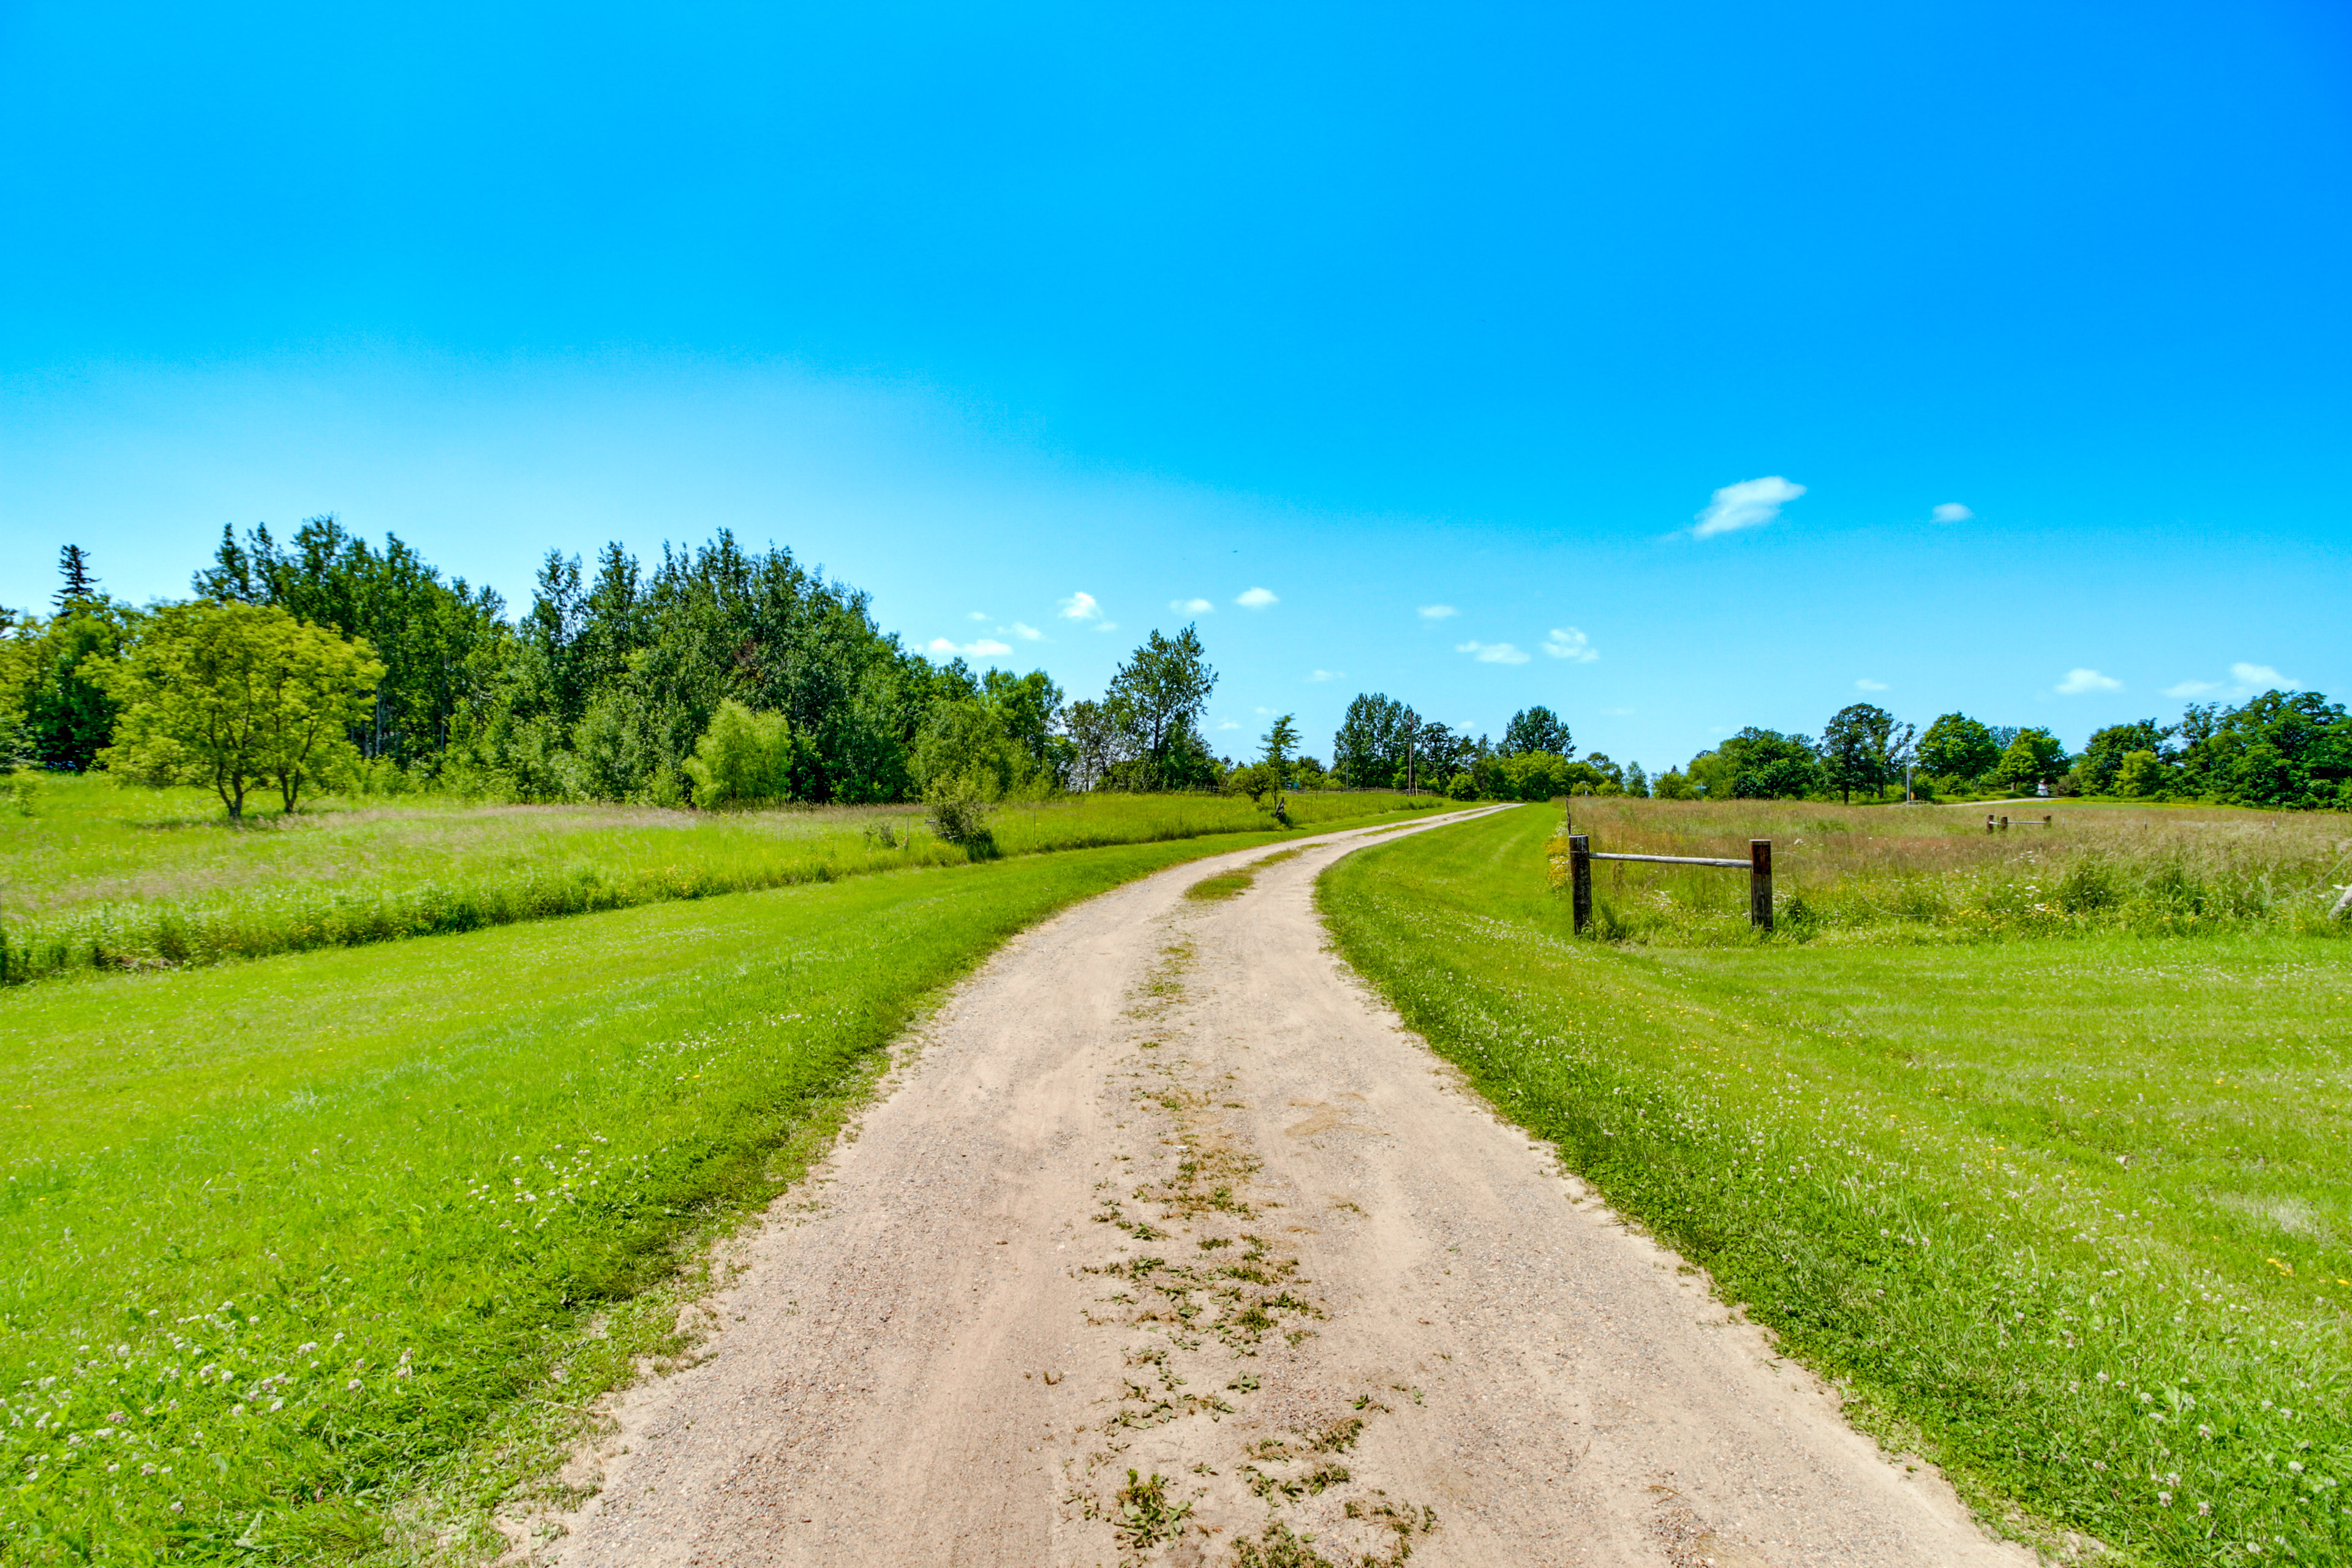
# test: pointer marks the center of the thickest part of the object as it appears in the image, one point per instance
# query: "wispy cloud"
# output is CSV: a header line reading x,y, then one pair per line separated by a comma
x,y
2079,681
1866,684
1952,512
1192,606
1327,675
986,648
1568,643
1491,652
1750,503
1228,724
2245,680
1257,599
978,616
1081,606
1027,633
1436,612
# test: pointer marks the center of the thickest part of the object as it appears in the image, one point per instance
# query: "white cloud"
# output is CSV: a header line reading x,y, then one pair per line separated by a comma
x,y
1027,633
1866,684
1952,512
1617,712
2079,681
1436,612
1257,599
1228,724
1192,606
1327,675
986,648
1491,652
1568,643
2245,680
1262,712
1081,606
1750,503
977,616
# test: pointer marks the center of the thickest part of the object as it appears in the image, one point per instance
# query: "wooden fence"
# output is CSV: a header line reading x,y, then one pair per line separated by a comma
x,y
1758,866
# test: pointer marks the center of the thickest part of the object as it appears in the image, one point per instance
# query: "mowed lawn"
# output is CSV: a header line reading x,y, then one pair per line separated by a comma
x,y
298,1252
2068,1216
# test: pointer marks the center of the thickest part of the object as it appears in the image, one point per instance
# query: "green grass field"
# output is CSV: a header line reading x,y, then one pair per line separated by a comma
x,y
99,875
2069,1216
317,1257
1878,876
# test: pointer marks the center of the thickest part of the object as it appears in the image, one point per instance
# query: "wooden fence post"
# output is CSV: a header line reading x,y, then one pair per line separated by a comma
x,y
1579,878
1760,883
1988,822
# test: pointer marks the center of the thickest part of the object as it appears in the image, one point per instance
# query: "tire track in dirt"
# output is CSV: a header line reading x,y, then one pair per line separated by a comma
x,y
1167,1244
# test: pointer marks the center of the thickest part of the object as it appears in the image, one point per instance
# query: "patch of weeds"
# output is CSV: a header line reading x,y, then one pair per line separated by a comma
x,y
1146,1517
1277,1547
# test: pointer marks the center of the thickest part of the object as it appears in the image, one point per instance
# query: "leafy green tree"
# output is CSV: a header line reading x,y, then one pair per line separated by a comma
x,y
67,712
1673,784
1758,764
1536,730
1028,709
236,695
1862,747
1370,745
2280,748
962,746
1959,747
2143,775
2032,759
743,758
1637,783
2102,759
1279,741
1161,692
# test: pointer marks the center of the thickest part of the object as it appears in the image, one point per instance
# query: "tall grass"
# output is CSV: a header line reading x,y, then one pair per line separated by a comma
x,y
99,878
1892,875
314,1259
2072,1218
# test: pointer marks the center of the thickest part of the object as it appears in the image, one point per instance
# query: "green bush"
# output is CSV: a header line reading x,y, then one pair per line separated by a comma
x,y
743,759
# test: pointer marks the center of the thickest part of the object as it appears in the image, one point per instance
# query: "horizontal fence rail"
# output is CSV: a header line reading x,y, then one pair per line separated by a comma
x,y
1758,866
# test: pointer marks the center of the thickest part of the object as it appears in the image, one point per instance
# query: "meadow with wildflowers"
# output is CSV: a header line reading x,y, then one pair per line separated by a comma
x,y
104,876
2069,1212
321,1257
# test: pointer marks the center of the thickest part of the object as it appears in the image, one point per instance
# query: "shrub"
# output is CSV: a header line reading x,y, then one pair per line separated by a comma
x,y
743,759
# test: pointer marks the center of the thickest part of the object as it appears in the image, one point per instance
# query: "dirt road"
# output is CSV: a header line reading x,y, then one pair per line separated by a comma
x,y
1168,1245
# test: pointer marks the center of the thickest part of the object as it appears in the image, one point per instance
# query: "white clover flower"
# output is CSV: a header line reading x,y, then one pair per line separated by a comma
x,y
2165,1498
353,1384
2294,1466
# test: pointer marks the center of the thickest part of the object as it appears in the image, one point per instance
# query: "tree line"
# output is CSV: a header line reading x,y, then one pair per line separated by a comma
x,y
710,676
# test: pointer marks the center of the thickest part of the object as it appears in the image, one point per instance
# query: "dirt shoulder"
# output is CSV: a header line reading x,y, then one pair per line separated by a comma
x,y
1168,1245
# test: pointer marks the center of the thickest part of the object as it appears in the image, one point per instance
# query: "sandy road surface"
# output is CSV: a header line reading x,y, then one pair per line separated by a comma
x,y
1167,1191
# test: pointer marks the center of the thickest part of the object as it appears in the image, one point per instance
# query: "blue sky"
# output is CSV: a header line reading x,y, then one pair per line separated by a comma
x,y
1042,323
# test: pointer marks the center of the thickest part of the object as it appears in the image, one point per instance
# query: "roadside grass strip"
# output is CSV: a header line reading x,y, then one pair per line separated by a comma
x,y
2069,1217
321,1257
100,876
1234,884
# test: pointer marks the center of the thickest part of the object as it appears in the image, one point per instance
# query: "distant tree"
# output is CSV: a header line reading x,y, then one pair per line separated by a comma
x,y
1536,730
1028,707
1860,748
2143,775
2280,748
79,586
1162,689
1637,783
67,712
1761,765
1101,741
1958,747
1369,747
2032,759
234,696
1280,740
2102,759
1673,784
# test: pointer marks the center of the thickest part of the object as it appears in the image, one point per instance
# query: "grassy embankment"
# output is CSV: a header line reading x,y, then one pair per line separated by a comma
x,y
299,1253
2069,1216
102,876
